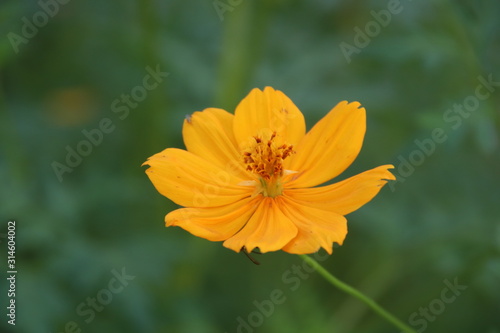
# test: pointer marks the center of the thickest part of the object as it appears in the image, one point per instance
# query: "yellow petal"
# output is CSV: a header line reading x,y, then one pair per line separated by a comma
x,y
330,146
269,110
189,180
213,223
345,196
317,228
268,229
209,134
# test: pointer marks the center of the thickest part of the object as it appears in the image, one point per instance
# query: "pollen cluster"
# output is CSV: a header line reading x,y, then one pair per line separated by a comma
x,y
265,158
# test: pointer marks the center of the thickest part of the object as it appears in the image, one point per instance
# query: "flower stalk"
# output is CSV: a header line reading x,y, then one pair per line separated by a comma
x,y
357,294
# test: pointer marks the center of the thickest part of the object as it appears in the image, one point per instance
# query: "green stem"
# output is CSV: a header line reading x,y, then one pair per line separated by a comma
x,y
354,292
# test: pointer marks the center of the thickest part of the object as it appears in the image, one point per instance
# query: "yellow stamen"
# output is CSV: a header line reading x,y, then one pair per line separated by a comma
x,y
264,158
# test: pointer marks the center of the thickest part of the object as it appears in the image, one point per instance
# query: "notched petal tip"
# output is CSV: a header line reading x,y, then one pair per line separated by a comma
x,y
354,105
338,137
268,109
357,105
389,176
328,249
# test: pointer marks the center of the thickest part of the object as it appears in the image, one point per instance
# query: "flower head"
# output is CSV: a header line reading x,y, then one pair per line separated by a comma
x,y
251,179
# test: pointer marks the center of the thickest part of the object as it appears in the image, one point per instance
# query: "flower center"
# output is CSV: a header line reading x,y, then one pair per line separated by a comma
x,y
264,158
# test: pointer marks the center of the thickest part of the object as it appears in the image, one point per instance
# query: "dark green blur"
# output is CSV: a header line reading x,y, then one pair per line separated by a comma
x,y
420,73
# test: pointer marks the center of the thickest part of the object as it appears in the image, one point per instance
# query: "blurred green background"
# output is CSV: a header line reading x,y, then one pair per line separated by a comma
x,y
415,71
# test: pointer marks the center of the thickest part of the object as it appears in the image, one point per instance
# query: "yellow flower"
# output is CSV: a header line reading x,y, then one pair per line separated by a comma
x,y
249,179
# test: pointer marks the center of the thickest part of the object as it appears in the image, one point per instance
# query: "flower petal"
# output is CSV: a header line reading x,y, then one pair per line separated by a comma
x,y
209,134
268,229
213,223
317,228
330,146
269,110
346,196
189,180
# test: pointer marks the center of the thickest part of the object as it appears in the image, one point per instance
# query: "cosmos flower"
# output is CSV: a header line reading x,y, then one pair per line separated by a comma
x,y
252,179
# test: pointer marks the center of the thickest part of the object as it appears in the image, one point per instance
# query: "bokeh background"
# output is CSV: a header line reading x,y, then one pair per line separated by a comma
x,y
440,222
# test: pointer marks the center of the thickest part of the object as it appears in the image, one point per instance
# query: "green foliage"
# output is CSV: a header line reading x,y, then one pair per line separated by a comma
x,y
439,222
